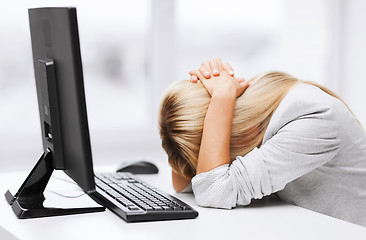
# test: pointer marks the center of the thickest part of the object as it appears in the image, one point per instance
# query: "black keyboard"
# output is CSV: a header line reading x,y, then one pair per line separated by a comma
x,y
134,200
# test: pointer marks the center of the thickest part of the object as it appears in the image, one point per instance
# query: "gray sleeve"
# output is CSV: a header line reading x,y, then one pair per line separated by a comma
x,y
296,149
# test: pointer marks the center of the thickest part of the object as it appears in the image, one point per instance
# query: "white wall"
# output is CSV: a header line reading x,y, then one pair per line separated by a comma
x,y
352,56
336,30
304,37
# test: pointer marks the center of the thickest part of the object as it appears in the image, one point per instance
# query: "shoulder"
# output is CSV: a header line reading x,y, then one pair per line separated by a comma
x,y
304,101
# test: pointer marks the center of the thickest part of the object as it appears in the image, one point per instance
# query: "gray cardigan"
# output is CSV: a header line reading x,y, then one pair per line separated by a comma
x,y
313,155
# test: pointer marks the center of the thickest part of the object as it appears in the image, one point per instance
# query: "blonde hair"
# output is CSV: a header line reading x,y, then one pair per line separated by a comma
x,y
184,106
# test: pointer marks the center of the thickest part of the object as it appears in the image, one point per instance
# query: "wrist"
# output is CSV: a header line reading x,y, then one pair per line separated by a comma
x,y
227,95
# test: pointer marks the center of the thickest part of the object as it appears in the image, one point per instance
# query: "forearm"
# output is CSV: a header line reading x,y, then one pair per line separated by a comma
x,y
179,182
215,143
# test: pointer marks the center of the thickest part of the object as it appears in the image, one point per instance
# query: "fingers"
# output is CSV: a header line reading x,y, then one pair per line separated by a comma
x,y
240,79
195,75
212,68
216,66
243,85
194,78
228,69
205,69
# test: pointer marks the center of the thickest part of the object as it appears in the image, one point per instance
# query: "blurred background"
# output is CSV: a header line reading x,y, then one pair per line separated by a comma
x,y
132,50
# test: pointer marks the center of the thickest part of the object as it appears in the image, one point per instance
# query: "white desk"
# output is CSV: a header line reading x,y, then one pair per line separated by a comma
x,y
261,220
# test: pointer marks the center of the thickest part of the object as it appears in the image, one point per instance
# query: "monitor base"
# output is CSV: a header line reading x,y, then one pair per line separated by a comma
x,y
28,201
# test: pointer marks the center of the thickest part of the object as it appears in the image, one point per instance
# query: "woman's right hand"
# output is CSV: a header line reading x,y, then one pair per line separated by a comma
x,y
211,67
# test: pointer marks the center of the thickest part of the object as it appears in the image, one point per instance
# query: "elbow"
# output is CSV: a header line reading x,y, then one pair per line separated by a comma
x,y
217,194
211,201
214,200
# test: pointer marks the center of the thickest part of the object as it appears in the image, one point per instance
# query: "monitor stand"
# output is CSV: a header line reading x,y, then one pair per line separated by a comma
x,y
28,201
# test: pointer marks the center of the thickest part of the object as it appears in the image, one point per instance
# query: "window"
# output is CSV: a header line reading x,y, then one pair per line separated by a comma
x,y
254,36
114,39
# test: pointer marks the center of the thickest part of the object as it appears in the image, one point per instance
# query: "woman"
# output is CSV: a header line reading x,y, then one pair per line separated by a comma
x,y
238,140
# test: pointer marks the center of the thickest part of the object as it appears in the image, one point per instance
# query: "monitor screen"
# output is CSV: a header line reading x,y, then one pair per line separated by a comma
x,y
60,92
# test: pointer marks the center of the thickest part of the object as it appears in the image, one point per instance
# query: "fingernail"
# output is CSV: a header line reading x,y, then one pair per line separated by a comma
x,y
216,72
231,72
207,74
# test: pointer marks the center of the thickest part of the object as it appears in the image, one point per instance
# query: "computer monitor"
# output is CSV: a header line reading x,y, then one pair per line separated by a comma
x,y
62,110
61,98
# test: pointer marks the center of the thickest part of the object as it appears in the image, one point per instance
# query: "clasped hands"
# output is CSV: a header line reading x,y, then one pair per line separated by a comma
x,y
218,79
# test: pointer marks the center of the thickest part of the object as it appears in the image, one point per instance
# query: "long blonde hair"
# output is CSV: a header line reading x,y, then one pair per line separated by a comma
x,y
184,106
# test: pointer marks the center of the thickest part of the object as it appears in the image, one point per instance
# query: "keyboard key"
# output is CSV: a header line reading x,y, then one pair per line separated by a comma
x,y
104,186
133,208
156,208
124,201
177,208
148,208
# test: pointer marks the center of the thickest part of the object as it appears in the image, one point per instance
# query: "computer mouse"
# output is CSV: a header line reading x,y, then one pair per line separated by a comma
x,y
138,167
